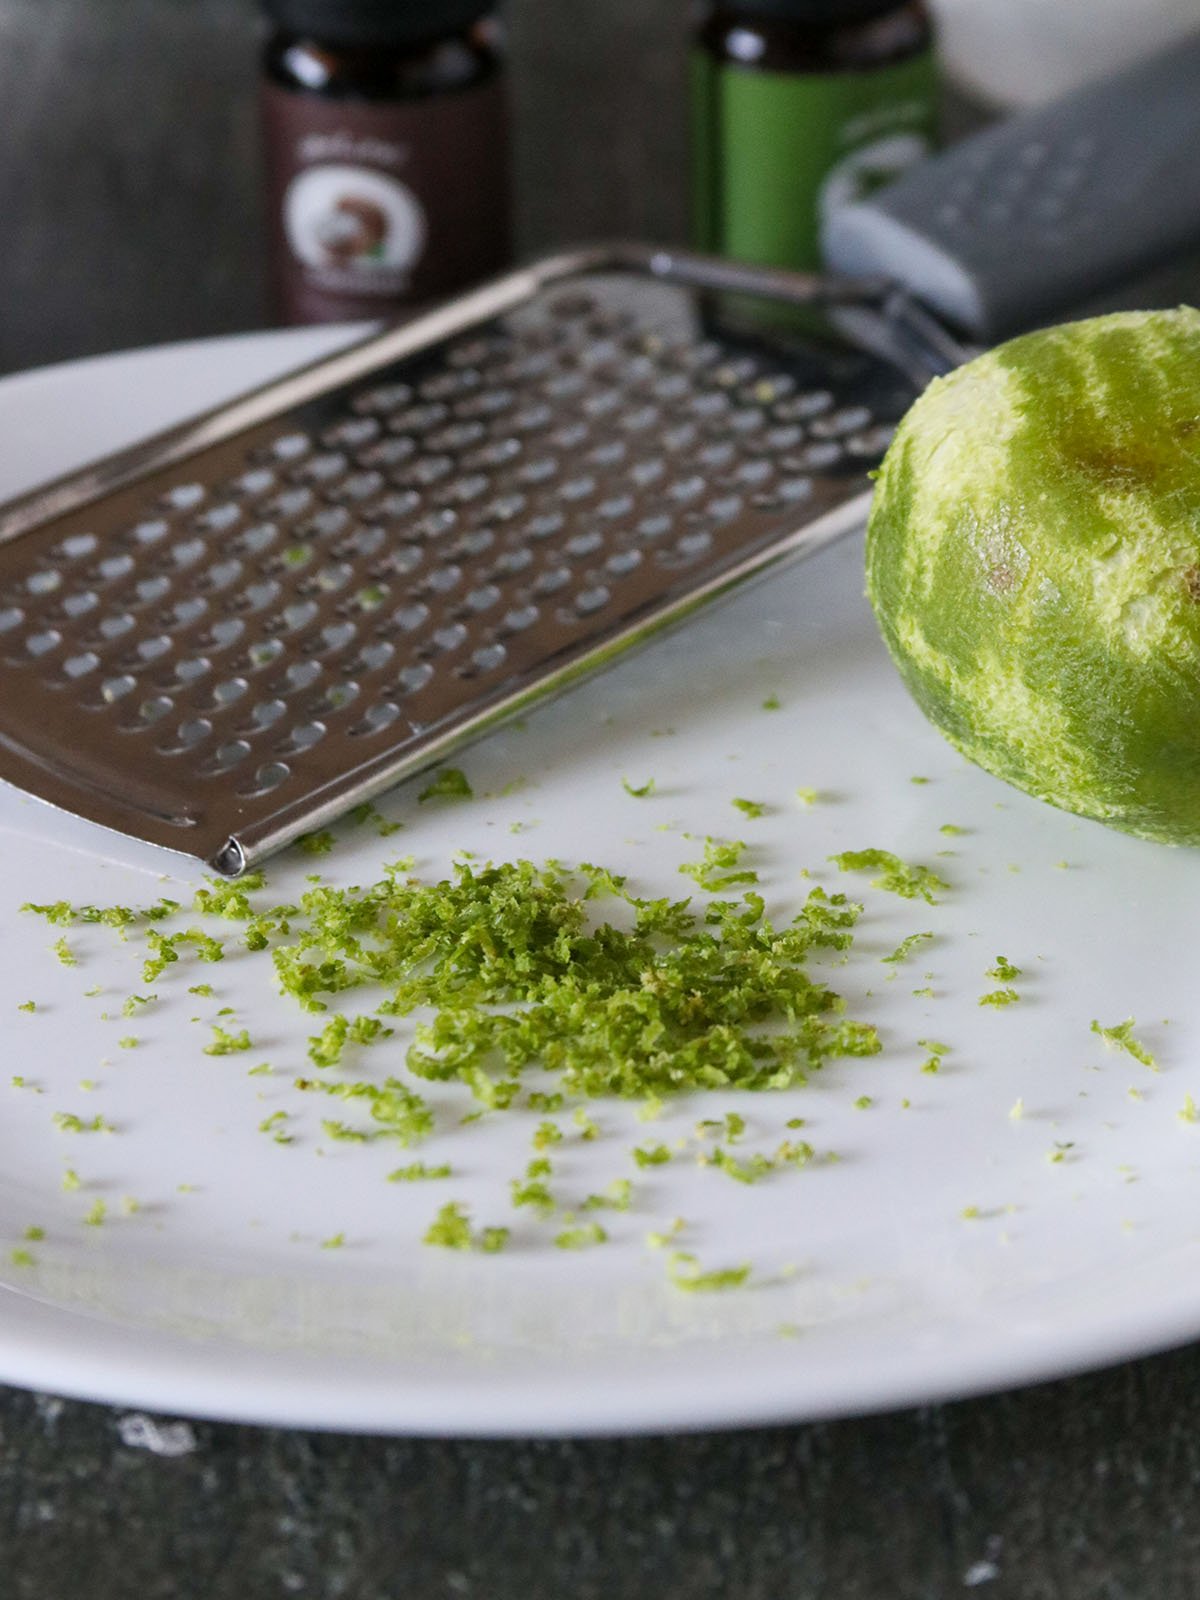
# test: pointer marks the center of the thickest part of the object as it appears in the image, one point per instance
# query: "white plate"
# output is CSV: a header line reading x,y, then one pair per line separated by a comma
x,y
870,1287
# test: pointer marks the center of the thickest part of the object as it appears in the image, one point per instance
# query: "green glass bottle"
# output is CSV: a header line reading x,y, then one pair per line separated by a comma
x,y
799,106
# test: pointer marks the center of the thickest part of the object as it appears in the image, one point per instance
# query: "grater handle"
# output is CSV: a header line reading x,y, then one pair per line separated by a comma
x,y
1039,212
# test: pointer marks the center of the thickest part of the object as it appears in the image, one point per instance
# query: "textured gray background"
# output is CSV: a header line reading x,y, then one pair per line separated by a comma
x,y
129,213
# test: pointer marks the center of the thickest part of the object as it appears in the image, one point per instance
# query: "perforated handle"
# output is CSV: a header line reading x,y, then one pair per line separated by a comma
x,y
1038,213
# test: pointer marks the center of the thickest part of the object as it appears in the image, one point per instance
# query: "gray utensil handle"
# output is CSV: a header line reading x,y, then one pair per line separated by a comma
x,y
1034,215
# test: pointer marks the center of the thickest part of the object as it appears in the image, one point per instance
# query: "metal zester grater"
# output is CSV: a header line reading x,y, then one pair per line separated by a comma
x,y
229,634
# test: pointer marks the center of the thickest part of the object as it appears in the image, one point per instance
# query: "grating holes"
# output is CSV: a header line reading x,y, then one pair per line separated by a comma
x,y
226,756
363,542
154,709
817,457
513,561
725,507
185,553
255,482
221,574
463,490
47,581
358,487
258,595
444,579
42,642
78,545
266,713
747,420
399,506
584,543
414,677
539,470
79,666
474,543
685,489
602,404
113,627
75,605
436,525
672,386
644,473
369,598
114,689
850,419
872,443
520,618
458,436
153,649
301,675
488,404
419,418
755,473
228,692
484,597
410,617
497,453
359,431
336,698
450,637
267,777
376,719
569,437
291,446
577,488
299,614
712,403
190,669
217,518
403,560
337,635
291,503
716,455
263,653
192,732
256,539
640,420
532,418
623,562
10,617
552,580
302,737
592,599
792,490
386,397
333,577
149,590
488,657
388,452
326,524
225,632
802,407
184,496
608,454
373,656
654,527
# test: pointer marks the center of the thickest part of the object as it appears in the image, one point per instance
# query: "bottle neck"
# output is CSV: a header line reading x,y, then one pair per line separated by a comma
x,y
384,71
743,35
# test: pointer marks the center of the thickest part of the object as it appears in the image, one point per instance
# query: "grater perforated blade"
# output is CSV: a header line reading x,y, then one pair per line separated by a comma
x,y
233,632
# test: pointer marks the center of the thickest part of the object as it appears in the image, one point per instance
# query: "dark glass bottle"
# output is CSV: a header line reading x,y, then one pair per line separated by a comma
x,y
386,153
799,106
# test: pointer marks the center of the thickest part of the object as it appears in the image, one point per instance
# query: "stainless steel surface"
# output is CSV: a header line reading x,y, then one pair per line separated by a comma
x,y
231,633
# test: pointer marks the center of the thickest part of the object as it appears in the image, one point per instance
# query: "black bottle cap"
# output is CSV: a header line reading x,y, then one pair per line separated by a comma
x,y
376,22
832,12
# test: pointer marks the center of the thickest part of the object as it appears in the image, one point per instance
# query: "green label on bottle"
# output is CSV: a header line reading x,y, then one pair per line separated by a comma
x,y
773,153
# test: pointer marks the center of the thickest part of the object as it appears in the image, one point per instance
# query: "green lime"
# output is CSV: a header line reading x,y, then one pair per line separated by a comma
x,y
1033,558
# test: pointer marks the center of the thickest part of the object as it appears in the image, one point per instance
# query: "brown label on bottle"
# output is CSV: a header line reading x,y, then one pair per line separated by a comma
x,y
379,207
